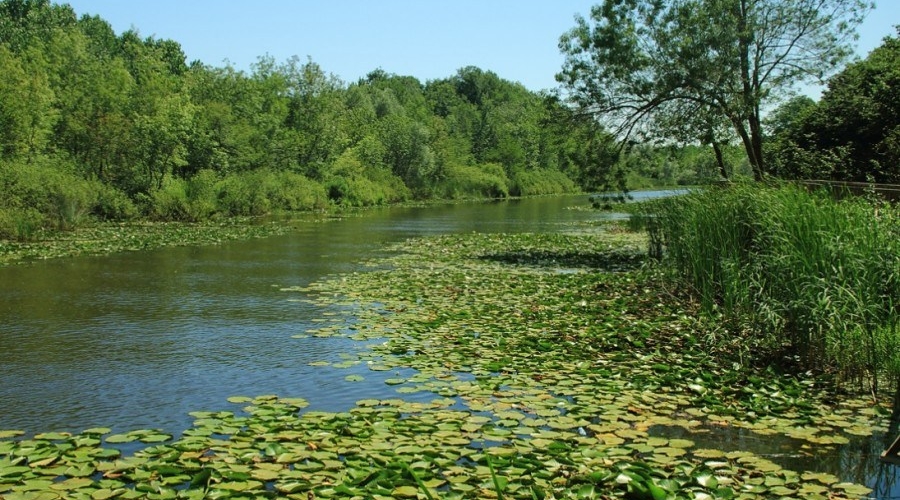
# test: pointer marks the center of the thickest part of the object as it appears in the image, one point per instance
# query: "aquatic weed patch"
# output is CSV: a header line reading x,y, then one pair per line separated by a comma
x,y
597,344
108,238
527,382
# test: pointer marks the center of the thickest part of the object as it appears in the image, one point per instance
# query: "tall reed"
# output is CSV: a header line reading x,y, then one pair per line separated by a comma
x,y
812,275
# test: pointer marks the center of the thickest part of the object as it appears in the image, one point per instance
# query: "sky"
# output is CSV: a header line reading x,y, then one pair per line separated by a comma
x,y
427,39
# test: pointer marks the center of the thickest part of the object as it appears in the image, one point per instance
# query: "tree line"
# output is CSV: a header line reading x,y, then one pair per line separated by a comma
x,y
852,133
99,124
95,124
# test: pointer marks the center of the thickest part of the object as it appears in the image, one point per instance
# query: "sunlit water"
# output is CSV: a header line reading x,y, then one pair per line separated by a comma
x,y
139,340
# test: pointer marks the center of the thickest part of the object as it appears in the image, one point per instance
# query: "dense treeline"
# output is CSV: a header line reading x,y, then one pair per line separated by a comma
x,y
852,133
96,124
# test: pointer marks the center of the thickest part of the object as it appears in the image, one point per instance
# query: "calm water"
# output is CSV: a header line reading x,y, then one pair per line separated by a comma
x,y
139,340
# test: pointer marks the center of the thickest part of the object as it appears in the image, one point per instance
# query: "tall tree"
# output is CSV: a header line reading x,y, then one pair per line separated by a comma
x,y
26,113
314,108
634,58
853,133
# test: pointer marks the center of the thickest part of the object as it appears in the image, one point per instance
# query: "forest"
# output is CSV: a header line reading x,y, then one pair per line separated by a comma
x,y
113,127
99,126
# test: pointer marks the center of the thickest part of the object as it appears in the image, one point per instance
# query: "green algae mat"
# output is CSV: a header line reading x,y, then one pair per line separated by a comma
x,y
525,366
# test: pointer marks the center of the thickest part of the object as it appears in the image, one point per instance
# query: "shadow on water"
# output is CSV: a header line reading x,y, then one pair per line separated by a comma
x,y
603,260
857,461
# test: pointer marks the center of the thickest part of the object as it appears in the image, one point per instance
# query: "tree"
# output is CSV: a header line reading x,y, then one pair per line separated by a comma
x,y
29,23
314,108
26,114
636,59
687,122
853,133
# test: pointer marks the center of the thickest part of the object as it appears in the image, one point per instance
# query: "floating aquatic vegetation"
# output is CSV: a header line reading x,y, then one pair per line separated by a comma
x,y
513,380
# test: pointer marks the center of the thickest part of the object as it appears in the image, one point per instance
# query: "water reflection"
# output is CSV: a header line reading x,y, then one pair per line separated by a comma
x,y
857,462
140,339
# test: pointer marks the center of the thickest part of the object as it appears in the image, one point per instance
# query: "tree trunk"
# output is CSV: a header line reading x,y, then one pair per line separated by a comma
x,y
749,148
756,140
750,108
720,161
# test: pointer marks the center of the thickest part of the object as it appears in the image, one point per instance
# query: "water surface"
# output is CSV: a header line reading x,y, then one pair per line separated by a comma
x,y
139,340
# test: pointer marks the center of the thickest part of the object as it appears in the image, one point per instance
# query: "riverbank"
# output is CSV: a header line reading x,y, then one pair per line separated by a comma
x,y
104,238
545,366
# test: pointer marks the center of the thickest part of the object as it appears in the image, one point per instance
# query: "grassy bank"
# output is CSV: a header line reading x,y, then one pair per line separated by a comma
x,y
543,366
793,273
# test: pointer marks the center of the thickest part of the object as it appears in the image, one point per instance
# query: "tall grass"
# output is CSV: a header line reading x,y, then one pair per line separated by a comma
x,y
812,277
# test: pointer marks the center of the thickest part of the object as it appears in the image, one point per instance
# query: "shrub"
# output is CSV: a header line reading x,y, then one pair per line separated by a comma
x,y
541,182
481,181
113,204
170,201
48,187
261,192
19,224
350,183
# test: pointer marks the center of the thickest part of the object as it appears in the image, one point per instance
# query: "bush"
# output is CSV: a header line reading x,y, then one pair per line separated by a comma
x,y
50,188
113,204
261,192
465,181
350,183
19,224
541,182
170,202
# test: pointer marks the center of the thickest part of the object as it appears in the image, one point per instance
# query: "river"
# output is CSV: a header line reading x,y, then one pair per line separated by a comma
x,y
138,340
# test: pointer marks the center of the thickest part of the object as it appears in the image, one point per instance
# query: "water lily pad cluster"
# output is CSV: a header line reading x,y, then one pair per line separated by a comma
x,y
525,366
107,238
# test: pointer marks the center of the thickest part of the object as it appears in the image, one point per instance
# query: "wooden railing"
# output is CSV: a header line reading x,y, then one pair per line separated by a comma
x,y
842,188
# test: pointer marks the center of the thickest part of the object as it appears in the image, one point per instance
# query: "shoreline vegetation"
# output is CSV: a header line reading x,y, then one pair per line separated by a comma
x,y
94,237
563,365
570,365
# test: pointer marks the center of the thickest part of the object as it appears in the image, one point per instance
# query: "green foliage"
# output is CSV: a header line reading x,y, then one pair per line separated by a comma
x,y
349,183
20,224
541,182
193,200
63,199
533,383
476,181
153,136
113,204
817,277
686,66
648,166
261,192
853,133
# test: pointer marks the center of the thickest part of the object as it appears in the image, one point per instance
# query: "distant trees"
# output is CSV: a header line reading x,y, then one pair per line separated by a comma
x,y
137,130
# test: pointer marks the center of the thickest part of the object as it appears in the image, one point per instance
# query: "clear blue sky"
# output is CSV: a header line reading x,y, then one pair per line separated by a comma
x,y
427,39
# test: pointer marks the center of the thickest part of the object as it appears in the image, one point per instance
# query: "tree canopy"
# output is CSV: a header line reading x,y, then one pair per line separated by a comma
x,y
638,63
112,125
853,132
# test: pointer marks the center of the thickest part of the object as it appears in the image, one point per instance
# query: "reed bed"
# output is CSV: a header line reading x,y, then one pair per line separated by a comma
x,y
795,272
